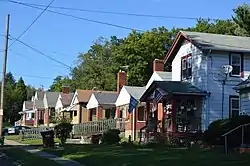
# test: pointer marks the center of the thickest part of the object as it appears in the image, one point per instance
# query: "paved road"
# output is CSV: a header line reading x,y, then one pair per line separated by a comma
x,y
4,161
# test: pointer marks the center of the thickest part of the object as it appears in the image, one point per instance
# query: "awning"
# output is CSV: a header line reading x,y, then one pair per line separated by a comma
x,y
172,88
69,108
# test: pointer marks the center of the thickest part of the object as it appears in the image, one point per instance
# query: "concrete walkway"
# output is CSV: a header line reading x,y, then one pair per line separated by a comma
x,y
34,150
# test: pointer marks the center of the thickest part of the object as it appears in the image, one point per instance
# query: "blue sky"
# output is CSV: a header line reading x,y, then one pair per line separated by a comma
x,y
63,38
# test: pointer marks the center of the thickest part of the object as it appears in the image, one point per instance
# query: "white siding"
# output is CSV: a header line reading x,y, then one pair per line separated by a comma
x,y
123,98
59,103
93,103
245,103
154,77
45,102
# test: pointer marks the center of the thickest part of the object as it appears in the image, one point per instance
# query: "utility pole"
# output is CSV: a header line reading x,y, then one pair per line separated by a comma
x,y
4,72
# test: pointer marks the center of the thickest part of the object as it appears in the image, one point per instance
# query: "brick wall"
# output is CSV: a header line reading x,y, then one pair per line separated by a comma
x,y
46,117
121,80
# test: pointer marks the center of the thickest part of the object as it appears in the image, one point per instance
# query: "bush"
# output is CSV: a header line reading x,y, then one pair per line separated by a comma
x,y
62,131
111,137
213,135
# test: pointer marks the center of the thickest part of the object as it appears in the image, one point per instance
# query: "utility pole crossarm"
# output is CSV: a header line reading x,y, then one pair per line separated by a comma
x,y
4,73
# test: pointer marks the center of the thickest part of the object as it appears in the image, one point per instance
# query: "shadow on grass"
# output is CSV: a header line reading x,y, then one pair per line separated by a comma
x,y
95,155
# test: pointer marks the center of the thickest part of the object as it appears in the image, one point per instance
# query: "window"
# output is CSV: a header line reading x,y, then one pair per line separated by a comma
x,y
32,115
75,113
236,61
234,106
186,67
141,114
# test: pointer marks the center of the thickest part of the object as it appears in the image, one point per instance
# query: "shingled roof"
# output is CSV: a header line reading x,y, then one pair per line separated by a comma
x,y
66,98
28,105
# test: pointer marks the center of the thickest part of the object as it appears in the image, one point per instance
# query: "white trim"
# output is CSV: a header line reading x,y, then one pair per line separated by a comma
x,y
73,99
231,101
231,63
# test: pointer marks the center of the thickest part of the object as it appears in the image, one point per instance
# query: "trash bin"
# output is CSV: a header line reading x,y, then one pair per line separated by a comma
x,y
48,138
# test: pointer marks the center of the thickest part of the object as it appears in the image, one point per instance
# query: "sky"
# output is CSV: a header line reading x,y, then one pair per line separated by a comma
x,y
63,38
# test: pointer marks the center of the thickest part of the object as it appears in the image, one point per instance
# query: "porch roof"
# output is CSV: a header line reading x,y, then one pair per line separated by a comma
x,y
173,88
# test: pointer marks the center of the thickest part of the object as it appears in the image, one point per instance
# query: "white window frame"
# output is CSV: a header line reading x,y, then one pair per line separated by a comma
x,y
231,63
144,108
231,105
189,64
184,63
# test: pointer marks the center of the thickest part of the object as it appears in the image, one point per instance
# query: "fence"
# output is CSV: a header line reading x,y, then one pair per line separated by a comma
x,y
32,134
98,127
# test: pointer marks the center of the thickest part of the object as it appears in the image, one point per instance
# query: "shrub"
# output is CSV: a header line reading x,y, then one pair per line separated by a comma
x,y
111,137
213,135
62,131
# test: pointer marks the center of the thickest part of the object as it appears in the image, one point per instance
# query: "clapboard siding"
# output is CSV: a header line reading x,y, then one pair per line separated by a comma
x,y
199,70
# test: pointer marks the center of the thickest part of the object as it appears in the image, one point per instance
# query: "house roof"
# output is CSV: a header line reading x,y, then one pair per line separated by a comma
x,y
104,98
209,41
39,104
66,98
165,76
135,91
52,98
172,87
243,85
28,105
84,95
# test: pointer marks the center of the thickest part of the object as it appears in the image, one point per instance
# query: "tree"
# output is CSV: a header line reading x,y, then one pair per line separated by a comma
x,y
242,19
59,81
30,91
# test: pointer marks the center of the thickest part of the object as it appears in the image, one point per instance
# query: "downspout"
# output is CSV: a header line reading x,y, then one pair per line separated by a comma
x,y
133,124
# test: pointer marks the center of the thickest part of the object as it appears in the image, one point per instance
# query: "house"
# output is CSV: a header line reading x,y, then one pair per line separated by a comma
x,y
137,119
49,101
201,90
63,101
101,105
28,114
244,93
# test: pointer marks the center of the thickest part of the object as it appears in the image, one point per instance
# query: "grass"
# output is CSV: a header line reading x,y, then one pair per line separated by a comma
x,y
95,155
24,158
17,138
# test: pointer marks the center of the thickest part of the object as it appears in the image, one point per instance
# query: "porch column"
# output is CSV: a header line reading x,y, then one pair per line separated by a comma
x,y
117,112
163,116
147,111
173,116
24,118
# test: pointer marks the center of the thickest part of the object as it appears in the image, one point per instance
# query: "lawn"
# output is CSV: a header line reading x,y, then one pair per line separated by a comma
x,y
96,155
17,138
24,158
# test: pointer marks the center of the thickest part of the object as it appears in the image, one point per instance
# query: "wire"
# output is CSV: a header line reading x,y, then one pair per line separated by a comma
x,y
43,54
77,17
117,13
31,23
31,76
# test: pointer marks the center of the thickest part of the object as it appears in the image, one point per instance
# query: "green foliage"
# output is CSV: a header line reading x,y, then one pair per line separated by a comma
x,y
213,135
62,131
111,137
242,19
30,91
58,82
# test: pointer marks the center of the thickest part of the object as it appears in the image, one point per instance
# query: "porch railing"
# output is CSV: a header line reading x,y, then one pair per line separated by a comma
x,y
32,134
98,127
242,127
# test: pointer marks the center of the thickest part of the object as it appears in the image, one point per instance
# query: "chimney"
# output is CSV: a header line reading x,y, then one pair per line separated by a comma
x,y
158,65
121,80
66,89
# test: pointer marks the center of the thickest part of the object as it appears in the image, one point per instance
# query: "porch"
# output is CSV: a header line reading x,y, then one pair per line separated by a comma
x,y
174,109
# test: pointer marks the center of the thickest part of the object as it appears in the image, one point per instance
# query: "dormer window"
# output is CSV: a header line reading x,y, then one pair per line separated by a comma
x,y
236,61
186,67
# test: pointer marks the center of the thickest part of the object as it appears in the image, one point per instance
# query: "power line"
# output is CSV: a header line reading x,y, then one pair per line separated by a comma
x,y
76,17
31,76
31,23
117,13
43,54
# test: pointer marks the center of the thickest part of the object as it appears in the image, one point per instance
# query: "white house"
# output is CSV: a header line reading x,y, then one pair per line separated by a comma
x,y
199,58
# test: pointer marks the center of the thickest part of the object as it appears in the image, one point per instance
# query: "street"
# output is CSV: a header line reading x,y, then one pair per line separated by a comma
x,y
4,161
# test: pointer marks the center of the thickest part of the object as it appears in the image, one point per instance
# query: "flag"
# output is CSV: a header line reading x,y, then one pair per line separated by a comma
x,y
132,104
158,95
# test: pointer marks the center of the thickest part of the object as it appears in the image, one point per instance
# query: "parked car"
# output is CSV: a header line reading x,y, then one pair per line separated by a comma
x,y
16,129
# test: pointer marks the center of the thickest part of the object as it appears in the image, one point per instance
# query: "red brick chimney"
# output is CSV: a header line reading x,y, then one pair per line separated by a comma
x,y
158,65
66,89
121,80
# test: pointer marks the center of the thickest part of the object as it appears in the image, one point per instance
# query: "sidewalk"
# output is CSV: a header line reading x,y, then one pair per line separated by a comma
x,y
34,150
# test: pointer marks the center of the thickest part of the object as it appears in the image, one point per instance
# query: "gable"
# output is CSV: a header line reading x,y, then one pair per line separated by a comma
x,y
123,98
59,102
93,103
45,101
74,100
154,77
